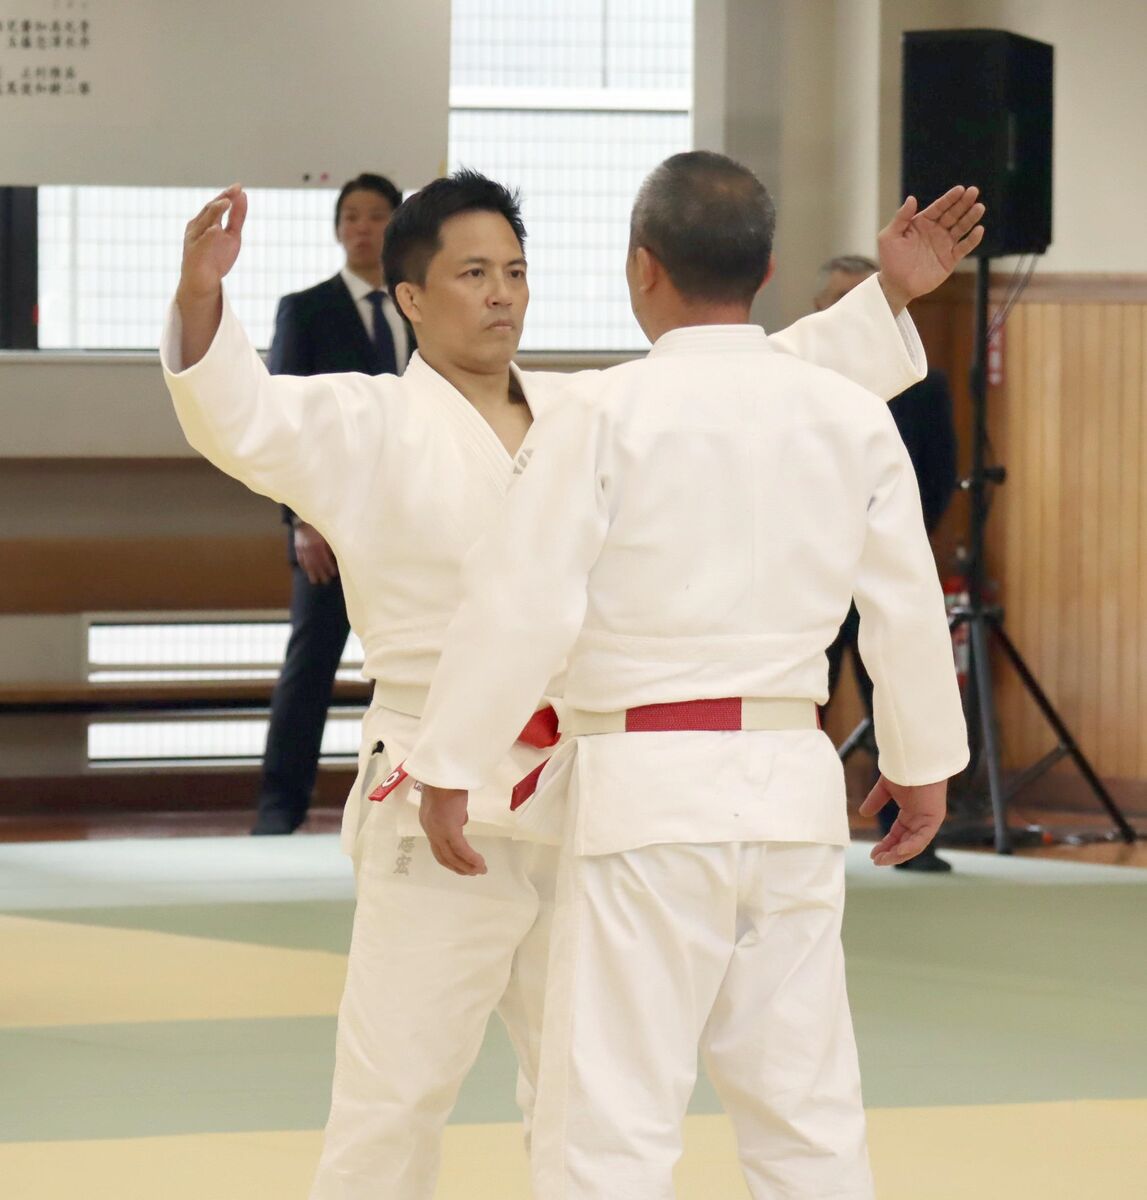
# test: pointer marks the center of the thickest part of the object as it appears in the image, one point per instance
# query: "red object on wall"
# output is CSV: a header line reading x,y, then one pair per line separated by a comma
x,y
996,358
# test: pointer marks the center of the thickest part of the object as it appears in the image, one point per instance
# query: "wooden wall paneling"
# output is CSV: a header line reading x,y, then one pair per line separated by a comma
x,y
1006,527
1131,716
1088,648
1029,490
1067,535
1050,419
68,575
1075,406
1109,373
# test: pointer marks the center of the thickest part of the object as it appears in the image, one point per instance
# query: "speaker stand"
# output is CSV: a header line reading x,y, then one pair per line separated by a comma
x,y
986,624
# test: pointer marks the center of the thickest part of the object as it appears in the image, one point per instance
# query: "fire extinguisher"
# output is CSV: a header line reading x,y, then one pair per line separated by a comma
x,y
955,585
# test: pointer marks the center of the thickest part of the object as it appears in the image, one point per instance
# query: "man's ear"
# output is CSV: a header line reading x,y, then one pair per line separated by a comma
x,y
648,270
406,297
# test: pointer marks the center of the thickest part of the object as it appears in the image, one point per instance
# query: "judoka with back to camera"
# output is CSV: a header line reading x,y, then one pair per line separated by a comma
x,y
717,507
401,476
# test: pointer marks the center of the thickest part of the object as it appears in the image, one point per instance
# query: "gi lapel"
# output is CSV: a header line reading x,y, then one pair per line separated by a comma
x,y
481,442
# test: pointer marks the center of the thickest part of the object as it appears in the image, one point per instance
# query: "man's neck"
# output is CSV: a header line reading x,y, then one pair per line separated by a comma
x,y
487,391
371,275
684,316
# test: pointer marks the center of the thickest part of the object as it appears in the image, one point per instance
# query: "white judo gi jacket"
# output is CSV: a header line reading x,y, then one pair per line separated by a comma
x,y
695,526
401,475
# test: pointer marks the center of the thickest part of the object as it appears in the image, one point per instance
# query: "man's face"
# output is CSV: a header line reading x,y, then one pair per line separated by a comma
x,y
838,284
471,308
362,223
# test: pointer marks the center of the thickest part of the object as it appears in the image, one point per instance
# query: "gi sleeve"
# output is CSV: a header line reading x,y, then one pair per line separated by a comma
x,y
904,639
524,601
859,338
300,440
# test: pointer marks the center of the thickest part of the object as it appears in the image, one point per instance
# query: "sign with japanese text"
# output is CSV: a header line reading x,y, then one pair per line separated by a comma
x,y
272,93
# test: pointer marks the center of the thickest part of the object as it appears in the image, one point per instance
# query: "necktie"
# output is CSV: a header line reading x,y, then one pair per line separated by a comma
x,y
381,336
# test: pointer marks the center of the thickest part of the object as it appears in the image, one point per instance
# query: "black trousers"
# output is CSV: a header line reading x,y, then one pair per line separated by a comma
x,y
319,629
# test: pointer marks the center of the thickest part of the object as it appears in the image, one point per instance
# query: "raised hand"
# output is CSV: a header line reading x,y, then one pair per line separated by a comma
x,y
919,250
922,810
211,247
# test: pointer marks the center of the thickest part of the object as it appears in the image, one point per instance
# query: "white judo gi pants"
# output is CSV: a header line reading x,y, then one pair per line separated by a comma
x,y
733,947
432,956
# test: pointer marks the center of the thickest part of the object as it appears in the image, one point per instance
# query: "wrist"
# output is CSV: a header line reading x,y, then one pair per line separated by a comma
x,y
190,299
896,296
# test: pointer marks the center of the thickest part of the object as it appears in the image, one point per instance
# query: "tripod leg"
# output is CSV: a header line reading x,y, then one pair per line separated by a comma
x,y
982,677
1061,731
854,740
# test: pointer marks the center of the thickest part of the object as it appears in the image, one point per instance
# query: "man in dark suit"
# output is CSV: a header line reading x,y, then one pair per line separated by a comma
x,y
347,323
923,414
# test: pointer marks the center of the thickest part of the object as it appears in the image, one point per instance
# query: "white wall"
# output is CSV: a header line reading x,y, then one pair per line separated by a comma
x,y
263,91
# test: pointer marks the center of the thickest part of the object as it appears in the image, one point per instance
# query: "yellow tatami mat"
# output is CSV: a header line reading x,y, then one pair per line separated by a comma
x,y
57,973
1063,1151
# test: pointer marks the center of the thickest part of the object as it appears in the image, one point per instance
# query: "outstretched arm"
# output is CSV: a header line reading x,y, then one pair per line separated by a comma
x,y
867,336
300,440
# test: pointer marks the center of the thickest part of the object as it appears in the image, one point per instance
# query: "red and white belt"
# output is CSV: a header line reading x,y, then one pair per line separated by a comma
x,y
729,713
540,732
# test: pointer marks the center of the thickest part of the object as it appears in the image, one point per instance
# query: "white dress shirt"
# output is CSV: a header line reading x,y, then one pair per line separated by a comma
x,y
359,289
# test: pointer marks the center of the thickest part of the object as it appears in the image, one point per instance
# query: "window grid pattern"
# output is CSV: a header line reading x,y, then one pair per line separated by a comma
x,y
109,256
578,170
109,259
196,650
198,740
578,173
572,43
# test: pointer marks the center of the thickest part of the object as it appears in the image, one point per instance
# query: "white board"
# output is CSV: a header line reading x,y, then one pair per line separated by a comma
x,y
275,93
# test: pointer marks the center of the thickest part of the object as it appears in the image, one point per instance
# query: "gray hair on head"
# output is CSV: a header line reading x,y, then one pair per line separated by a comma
x,y
850,264
709,221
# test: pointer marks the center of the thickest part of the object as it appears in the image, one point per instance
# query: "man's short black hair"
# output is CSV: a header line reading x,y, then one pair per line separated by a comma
x,y
709,221
413,236
366,182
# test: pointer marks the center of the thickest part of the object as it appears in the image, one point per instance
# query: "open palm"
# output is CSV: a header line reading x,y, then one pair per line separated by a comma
x,y
919,250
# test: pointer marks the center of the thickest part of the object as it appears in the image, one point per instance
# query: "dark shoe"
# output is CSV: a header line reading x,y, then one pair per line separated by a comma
x,y
927,860
276,815
267,829
274,824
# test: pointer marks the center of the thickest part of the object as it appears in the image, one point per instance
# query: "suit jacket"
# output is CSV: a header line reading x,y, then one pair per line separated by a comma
x,y
319,331
923,414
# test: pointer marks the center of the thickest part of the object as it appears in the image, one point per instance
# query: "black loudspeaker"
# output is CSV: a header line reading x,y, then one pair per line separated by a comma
x,y
977,110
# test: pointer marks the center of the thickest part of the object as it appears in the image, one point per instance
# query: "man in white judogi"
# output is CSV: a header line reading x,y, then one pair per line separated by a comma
x,y
402,475
690,532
